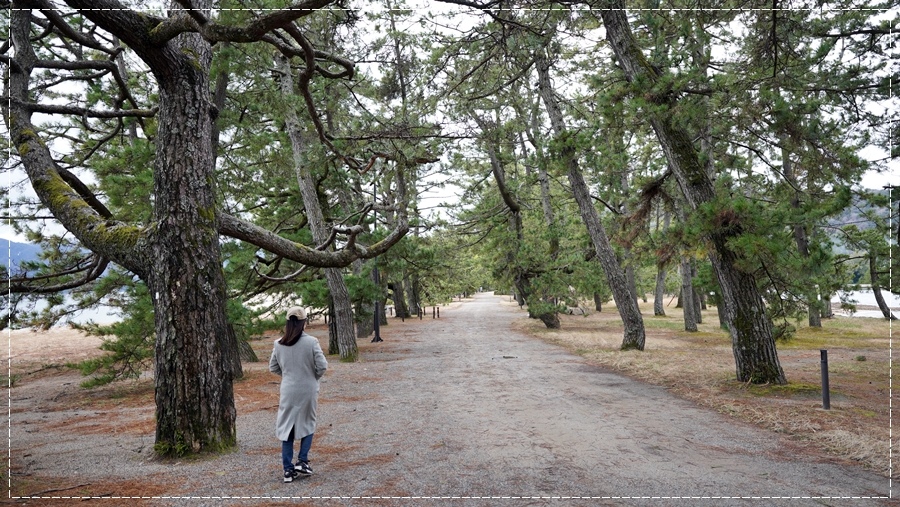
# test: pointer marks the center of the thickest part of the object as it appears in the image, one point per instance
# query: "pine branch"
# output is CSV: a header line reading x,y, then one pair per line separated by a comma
x,y
82,111
29,285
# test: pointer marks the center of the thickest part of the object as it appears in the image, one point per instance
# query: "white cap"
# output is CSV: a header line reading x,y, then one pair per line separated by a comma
x,y
296,311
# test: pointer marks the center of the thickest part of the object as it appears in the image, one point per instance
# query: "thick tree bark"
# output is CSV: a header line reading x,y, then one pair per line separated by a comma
x,y
753,342
626,302
194,341
342,308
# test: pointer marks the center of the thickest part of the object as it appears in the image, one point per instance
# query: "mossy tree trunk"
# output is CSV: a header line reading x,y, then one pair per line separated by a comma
x,y
753,342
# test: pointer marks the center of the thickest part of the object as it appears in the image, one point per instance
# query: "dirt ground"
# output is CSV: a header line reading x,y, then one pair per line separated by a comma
x,y
469,409
699,367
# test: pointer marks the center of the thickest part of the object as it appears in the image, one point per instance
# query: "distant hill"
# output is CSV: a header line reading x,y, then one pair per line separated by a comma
x,y
854,214
17,253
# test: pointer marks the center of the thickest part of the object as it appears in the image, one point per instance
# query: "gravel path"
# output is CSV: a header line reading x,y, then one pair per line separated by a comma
x,y
456,411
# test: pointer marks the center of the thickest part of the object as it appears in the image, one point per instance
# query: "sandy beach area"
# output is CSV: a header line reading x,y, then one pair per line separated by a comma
x,y
30,349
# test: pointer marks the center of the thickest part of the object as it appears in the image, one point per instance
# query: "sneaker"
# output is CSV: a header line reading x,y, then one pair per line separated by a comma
x,y
304,468
291,475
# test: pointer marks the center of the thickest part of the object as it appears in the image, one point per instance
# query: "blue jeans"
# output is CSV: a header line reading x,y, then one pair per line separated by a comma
x,y
287,450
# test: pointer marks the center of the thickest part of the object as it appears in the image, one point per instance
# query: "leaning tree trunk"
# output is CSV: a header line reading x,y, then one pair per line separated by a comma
x,y
753,341
342,314
521,276
625,300
194,342
876,290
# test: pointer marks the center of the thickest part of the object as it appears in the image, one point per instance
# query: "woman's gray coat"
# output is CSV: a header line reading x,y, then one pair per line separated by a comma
x,y
300,366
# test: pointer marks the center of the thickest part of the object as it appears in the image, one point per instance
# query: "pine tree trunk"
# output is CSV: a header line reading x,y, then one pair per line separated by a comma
x,y
827,310
195,345
800,237
598,302
687,299
365,311
412,296
698,306
698,300
625,300
720,311
333,347
196,353
534,136
659,293
342,316
753,341
629,275
876,290
397,294
521,276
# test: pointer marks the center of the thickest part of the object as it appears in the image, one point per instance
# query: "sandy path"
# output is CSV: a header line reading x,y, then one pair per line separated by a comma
x,y
461,407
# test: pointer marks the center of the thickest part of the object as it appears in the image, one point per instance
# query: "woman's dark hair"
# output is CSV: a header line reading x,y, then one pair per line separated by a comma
x,y
292,331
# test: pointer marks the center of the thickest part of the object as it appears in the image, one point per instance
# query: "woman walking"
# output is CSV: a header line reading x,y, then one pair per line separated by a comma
x,y
298,359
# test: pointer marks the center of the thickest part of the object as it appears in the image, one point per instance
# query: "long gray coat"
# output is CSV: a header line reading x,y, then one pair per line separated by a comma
x,y
300,366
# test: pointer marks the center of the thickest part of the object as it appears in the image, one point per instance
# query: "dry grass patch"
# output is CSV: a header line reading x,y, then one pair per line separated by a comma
x,y
700,367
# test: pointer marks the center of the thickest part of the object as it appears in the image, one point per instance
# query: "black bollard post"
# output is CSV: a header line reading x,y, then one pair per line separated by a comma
x,y
826,397
439,312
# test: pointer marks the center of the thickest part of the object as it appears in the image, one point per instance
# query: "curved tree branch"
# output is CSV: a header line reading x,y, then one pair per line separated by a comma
x,y
113,240
64,28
